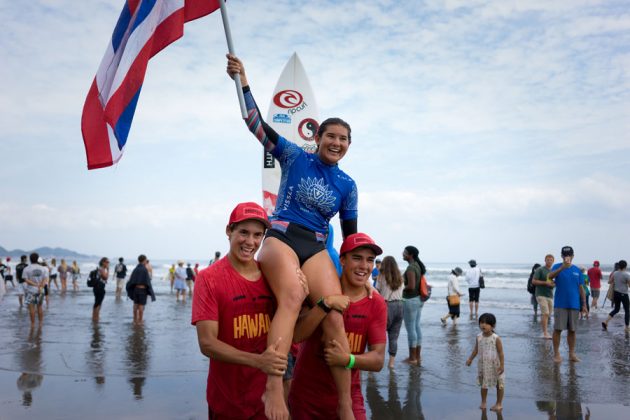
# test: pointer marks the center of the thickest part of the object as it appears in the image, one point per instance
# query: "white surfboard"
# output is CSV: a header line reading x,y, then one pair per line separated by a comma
x,y
294,115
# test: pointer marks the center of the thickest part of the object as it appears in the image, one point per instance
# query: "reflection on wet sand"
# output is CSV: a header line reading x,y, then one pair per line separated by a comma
x,y
95,355
138,347
31,362
392,407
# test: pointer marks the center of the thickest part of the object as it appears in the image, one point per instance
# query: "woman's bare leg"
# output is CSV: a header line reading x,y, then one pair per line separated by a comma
x,y
279,264
324,281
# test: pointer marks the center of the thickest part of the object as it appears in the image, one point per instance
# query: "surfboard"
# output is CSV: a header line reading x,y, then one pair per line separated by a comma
x,y
294,115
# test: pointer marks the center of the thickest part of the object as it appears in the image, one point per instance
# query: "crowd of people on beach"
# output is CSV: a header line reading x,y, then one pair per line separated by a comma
x,y
286,329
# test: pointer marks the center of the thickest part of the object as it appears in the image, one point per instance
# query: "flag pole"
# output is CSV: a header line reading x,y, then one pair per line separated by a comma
x,y
228,37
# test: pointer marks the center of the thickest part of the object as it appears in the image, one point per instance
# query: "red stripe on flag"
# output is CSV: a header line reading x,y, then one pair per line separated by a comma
x,y
94,129
196,9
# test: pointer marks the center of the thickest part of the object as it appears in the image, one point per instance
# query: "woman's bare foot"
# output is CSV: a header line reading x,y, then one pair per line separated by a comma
x,y
410,361
275,408
557,358
391,363
496,407
574,358
483,406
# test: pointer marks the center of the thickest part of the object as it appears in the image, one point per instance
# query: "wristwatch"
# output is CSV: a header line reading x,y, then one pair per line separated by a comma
x,y
323,305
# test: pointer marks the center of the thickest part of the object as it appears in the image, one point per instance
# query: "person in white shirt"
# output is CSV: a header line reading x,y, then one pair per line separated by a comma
x,y
453,290
35,277
472,277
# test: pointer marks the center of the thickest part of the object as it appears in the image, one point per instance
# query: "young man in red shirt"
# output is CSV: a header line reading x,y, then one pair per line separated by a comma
x,y
232,310
313,393
595,280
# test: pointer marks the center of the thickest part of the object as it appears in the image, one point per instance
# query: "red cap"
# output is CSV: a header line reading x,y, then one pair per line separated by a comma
x,y
247,211
359,240
596,263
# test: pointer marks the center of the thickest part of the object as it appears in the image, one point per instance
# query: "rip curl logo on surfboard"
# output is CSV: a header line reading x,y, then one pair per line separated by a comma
x,y
288,98
308,128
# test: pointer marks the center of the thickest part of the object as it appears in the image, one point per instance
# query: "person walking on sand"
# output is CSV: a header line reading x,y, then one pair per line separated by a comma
x,y
139,287
544,293
102,274
474,289
63,274
412,304
190,279
180,281
313,190
595,278
35,277
376,271
75,272
19,274
491,363
389,284
620,282
532,289
171,276
53,273
453,290
230,297
569,299
120,272
217,257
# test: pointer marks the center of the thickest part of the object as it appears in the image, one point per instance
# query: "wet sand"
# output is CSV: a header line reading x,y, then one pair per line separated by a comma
x,y
71,368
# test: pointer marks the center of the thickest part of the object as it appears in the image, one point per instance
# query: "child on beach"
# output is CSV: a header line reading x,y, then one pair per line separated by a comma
x,y
491,364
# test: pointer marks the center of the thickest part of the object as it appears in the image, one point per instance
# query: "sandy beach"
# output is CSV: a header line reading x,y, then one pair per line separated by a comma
x,y
71,368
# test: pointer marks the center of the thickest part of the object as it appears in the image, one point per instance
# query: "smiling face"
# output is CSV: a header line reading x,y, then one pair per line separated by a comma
x,y
333,144
245,238
357,267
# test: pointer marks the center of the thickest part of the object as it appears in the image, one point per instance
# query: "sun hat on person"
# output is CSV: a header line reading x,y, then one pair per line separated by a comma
x,y
472,263
458,271
359,240
249,211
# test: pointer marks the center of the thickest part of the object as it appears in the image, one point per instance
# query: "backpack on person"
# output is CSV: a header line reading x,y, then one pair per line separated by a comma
x,y
531,288
92,280
425,289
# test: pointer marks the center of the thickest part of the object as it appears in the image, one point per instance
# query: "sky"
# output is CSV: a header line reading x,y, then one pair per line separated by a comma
x,y
494,130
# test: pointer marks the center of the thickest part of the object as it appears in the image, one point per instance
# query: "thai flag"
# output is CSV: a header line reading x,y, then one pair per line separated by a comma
x,y
144,28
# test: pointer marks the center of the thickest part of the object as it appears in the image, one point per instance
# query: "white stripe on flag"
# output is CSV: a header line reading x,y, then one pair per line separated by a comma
x,y
140,36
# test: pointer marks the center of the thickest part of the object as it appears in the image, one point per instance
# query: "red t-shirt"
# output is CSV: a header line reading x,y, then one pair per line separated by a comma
x,y
313,393
595,277
243,310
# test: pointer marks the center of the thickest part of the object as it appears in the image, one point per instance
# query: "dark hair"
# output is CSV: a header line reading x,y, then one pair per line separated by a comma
x,y
531,275
102,261
33,257
616,266
622,264
141,258
217,254
23,257
390,271
413,251
334,121
120,259
488,318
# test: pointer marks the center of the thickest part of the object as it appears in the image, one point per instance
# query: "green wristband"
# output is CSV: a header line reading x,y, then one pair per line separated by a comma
x,y
351,362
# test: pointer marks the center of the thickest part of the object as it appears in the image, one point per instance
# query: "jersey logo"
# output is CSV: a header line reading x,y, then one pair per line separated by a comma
x,y
315,194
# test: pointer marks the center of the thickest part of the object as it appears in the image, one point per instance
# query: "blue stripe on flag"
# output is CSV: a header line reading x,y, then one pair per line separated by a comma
x,y
121,27
124,122
145,9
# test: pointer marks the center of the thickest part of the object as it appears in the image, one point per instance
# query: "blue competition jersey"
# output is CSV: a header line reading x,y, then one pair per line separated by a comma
x,y
312,192
568,284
